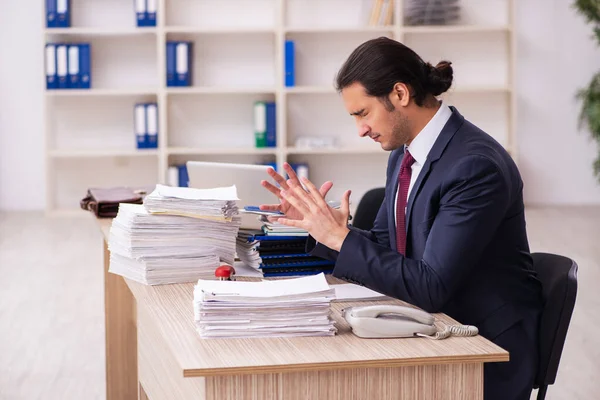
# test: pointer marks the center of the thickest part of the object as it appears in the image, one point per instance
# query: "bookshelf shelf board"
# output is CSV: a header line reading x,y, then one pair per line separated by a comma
x,y
223,150
337,150
100,92
219,30
435,29
339,29
221,90
103,153
101,31
310,89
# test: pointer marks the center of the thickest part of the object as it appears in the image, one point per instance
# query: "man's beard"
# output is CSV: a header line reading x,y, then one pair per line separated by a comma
x,y
400,132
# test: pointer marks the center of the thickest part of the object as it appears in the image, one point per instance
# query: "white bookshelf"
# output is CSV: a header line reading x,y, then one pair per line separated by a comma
x,y
238,59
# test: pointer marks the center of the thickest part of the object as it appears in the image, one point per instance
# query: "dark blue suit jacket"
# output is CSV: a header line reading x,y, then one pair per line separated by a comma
x,y
467,253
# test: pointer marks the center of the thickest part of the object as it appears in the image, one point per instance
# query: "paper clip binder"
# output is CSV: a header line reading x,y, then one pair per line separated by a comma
x,y
140,12
85,66
151,126
73,70
51,76
51,14
151,13
140,125
183,56
171,62
62,62
63,13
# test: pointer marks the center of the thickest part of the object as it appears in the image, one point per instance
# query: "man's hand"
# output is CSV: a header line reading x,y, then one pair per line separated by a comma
x,y
324,223
284,206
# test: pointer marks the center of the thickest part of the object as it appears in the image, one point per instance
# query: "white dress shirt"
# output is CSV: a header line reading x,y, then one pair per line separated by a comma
x,y
421,145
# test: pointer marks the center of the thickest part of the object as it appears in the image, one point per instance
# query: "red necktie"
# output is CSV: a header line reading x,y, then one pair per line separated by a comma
x,y
403,184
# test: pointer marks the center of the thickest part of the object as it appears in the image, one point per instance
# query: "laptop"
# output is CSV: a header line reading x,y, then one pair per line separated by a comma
x,y
246,178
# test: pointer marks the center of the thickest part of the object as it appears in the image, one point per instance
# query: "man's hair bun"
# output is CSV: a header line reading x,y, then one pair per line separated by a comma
x,y
439,78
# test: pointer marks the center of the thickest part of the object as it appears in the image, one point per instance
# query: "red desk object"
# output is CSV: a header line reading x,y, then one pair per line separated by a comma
x,y
225,272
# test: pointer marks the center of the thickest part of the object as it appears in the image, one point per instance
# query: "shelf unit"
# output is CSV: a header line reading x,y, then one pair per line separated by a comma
x,y
238,59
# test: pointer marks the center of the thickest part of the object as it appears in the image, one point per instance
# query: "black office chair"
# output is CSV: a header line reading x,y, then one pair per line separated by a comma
x,y
558,275
367,209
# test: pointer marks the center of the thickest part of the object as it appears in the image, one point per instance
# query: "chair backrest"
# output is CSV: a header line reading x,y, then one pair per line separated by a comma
x,y
558,275
367,209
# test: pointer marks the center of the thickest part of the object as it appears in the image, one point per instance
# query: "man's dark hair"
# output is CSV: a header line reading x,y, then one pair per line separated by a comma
x,y
378,64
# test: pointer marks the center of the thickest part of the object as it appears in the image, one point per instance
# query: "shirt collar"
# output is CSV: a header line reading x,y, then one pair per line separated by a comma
x,y
421,145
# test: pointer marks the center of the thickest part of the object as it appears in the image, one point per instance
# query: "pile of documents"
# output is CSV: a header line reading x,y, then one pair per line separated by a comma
x,y
268,308
277,229
180,235
217,203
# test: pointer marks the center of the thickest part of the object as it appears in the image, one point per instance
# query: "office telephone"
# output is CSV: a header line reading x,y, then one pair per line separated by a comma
x,y
392,321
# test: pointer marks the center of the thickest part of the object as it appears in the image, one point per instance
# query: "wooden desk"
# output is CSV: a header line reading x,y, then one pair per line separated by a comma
x,y
153,351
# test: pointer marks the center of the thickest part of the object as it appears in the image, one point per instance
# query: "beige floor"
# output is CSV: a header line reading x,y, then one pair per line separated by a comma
x,y
51,304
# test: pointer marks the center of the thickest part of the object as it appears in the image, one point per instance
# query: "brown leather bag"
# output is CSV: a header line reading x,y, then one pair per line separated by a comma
x,y
104,202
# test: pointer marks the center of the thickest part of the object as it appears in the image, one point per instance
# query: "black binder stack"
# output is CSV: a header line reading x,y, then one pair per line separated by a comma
x,y
278,255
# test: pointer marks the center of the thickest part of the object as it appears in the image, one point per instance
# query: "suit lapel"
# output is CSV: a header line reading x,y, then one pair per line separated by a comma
x,y
435,153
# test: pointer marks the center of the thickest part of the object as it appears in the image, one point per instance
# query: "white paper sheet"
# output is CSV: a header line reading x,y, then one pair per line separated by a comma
x,y
220,193
350,291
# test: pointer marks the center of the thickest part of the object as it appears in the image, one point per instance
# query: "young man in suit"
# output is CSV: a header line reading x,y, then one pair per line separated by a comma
x,y
450,235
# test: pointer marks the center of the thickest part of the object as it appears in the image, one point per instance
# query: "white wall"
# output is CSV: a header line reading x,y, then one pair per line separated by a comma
x,y
22,162
555,158
556,57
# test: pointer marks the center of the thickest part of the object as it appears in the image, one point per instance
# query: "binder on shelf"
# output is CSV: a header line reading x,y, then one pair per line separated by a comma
x,y
63,13
62,62
171,61
85,66
183,175
177,175
265,133
173,176
271,164
139,125
183,64
51,77
301,170
151,13
73,69
271,136
51,14
290,71
140,13
260,124
151,141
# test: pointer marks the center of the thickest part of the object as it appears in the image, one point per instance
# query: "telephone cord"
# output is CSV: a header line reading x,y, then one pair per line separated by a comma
x,y
452,330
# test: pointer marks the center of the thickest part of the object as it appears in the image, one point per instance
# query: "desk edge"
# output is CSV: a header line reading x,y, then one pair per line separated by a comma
x,y
393,363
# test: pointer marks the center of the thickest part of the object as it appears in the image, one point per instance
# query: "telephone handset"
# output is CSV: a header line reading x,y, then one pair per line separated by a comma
x,y
392,321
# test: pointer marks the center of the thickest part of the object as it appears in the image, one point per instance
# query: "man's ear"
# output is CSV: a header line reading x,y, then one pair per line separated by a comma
x,y
400,95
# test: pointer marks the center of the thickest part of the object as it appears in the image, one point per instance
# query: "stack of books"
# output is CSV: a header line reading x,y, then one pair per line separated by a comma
x,y
275,308
432,12
178,235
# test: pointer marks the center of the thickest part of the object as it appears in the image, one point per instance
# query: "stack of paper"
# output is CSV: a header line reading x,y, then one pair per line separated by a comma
x,y
187,238
275,308
277,229
216,203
